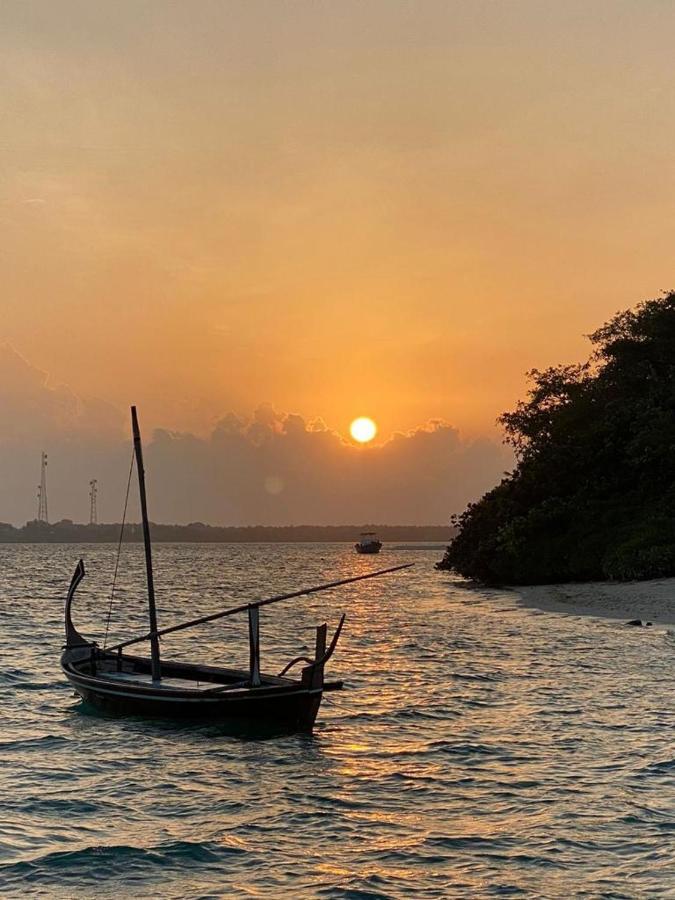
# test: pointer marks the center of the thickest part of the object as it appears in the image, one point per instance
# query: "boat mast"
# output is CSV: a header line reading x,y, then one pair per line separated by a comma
x,y
154,639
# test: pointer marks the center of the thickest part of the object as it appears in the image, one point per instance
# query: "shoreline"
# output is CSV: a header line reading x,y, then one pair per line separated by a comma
x,y
66,532
650,601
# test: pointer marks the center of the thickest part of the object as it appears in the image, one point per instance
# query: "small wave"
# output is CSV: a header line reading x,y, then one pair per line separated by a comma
x,y
416,714
44,742
39,686
57,806
666,765
459,749
473,676
372,887
12,676
91,865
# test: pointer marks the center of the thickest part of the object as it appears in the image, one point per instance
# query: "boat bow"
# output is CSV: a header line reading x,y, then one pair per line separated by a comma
x,y
73,637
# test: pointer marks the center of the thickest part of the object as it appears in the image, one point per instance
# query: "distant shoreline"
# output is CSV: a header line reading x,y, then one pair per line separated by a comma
x,y
67,532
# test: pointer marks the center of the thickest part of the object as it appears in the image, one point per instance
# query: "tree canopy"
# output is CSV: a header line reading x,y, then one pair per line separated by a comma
x,y
592,495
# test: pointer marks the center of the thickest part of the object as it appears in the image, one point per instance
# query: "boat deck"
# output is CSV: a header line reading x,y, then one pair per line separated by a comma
x,y
169,684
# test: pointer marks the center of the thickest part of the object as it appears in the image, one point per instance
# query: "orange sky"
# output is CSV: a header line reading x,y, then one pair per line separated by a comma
x,y
375,207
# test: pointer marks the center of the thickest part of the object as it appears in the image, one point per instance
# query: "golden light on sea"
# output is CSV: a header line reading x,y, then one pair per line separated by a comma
x,y
363,429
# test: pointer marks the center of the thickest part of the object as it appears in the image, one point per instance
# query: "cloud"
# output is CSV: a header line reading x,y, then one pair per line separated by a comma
x,y
270,468
34,409
278,469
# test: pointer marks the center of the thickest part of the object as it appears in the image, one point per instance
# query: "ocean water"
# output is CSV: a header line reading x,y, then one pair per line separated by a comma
x,y
479,749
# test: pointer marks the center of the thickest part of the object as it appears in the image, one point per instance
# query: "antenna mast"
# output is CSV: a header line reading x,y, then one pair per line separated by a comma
x,y
93,493
43,515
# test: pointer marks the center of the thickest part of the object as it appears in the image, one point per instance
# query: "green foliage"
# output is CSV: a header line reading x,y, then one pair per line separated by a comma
x,y
593,492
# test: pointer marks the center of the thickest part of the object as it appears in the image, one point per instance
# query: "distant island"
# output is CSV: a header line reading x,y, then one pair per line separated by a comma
x,y
68,532
592,496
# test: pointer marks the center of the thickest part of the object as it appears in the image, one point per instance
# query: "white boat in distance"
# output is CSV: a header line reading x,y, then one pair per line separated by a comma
x,y
368,543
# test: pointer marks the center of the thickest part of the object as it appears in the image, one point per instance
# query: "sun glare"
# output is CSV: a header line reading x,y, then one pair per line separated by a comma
x,y
363,429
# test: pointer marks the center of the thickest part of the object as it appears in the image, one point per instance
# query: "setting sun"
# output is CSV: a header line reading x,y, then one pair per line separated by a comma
x,y
363,429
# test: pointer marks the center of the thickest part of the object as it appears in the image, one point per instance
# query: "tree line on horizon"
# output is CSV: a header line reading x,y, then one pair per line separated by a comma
x,y
592,495
66,531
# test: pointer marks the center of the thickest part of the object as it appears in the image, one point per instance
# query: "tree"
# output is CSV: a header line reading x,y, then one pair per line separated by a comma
x,y
592,495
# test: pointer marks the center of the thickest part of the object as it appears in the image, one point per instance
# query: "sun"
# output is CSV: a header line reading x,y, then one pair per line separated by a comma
x,y
363,429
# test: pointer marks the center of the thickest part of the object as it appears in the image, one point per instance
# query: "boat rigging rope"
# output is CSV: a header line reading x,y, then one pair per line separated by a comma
x,y
119,549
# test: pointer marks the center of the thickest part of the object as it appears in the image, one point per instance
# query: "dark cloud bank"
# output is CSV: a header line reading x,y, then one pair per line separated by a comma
x,y
273,469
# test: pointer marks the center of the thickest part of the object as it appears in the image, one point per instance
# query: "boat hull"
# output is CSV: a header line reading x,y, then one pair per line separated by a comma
x,y
292,707
375,547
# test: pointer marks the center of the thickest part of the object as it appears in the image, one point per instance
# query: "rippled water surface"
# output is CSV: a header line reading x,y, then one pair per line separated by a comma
x,y
479,749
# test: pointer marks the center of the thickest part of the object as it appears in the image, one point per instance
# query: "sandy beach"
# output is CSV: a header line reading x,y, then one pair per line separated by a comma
x,y
652,601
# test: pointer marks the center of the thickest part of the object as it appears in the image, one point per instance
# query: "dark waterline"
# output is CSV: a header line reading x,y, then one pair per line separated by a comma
x,y
480,749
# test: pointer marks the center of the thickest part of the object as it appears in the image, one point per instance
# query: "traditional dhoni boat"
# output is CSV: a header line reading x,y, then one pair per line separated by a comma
x,y
112,679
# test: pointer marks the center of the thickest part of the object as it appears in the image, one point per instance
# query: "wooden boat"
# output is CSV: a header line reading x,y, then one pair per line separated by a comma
x,y
368,543
112,679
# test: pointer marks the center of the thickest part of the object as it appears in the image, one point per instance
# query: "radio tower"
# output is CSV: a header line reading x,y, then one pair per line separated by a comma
x,y
93,491
43,515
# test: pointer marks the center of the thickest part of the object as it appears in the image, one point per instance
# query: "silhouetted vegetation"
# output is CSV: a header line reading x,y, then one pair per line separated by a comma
x,y
593,492
68,532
